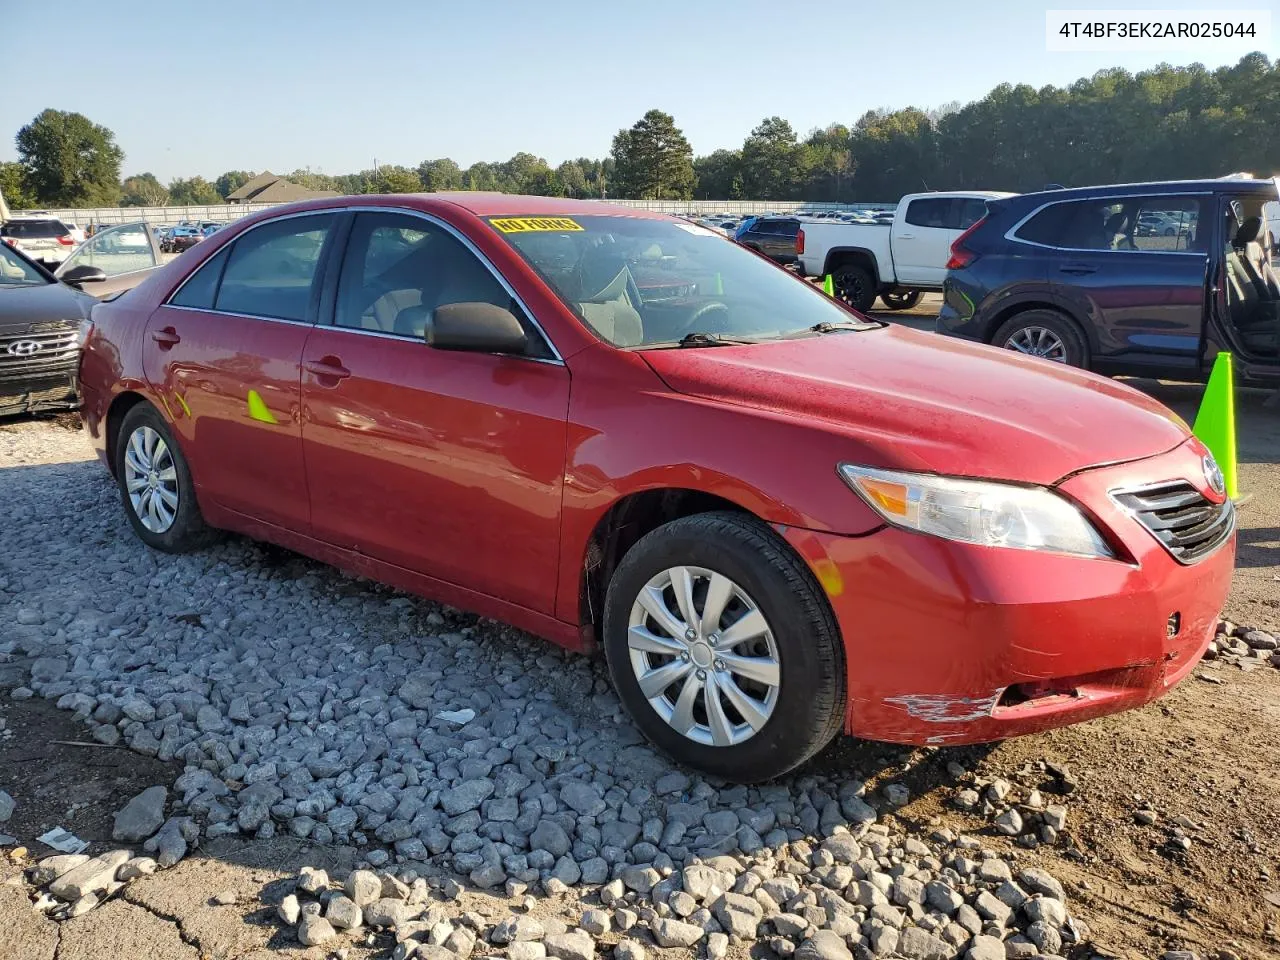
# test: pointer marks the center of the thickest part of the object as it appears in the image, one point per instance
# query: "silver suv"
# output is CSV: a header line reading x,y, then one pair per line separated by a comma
x,y
46,239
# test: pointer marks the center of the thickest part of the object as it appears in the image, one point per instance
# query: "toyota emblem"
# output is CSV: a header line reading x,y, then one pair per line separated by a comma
x,y
1213,476
23,348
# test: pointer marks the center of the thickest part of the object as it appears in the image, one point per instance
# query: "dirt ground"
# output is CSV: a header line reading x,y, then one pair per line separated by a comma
x,y
1206,757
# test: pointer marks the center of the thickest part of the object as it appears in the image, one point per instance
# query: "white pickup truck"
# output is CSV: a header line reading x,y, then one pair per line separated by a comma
x,y
897,261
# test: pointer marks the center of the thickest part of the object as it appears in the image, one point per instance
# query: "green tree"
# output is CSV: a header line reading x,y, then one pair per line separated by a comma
x,y
773,162
143,190
441,174
396,179
481,176
829,160
653,160
69,161
196,191
719,176
572,179
13,187
231,181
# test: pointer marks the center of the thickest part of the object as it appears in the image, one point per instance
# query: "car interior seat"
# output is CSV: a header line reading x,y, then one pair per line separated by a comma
x,y
1255,260
1254,308
608,298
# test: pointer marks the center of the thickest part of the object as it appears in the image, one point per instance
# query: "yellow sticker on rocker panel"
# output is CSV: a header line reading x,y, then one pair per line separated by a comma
x,y
534,224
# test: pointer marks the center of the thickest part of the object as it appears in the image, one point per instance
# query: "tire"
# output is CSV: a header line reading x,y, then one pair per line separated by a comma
x,y
1024,331
806,706
901,299
855,286
176,525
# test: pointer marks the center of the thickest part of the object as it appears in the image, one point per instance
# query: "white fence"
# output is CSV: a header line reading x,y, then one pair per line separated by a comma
x,y
232,211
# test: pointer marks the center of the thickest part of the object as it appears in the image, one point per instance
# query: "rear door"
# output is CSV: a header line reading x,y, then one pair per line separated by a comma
x,y
446,463
922,241
224,357
1141,290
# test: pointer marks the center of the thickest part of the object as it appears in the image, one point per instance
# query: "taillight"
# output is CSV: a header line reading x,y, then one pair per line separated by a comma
x,y
961,256
799,242
11,241
67,241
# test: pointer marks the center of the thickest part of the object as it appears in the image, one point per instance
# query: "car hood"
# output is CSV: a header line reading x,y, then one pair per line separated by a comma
x,y
918,401
20,307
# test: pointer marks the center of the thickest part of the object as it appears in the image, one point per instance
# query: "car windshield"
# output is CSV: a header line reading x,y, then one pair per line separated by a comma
x,y
16,272
645,282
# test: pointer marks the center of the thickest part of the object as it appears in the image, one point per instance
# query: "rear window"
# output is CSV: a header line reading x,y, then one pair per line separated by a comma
x,y
34,229
1160,224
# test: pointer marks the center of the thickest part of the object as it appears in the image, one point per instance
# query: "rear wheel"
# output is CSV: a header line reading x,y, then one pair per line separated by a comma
x,y
1045,334
155,484
855,286
901,299
724,649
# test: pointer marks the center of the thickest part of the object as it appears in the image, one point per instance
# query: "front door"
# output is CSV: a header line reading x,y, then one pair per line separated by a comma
x,y
126,253
921,243
224,357
446,463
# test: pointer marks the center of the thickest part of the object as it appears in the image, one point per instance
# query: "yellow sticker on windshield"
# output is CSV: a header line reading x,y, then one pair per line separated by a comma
x,y
534,224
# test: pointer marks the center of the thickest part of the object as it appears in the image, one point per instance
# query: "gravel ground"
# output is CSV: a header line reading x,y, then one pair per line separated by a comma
x,y
316,718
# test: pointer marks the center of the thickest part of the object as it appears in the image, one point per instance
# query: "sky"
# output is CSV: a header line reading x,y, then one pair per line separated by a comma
x,y
202,88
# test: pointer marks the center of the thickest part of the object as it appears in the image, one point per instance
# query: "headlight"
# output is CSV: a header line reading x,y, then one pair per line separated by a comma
x,y
977,511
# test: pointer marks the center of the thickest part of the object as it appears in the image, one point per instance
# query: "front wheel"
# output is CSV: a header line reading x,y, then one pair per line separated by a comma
x,y
724,649
901,299
155,484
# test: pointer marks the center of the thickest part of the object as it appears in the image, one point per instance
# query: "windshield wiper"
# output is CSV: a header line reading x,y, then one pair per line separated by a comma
x,y
828,326
700,338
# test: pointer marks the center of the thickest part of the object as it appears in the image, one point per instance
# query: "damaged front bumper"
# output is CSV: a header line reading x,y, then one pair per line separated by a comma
x,y
950,643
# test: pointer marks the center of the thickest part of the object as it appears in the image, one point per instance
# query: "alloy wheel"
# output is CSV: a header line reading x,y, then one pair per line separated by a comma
x,y
151,479
1038,342
704,656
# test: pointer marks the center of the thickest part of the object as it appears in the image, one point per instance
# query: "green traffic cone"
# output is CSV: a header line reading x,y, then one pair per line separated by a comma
x,y
1216,420
828,286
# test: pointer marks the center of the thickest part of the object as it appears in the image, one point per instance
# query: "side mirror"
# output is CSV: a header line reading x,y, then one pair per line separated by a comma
x,y
83,274
476,327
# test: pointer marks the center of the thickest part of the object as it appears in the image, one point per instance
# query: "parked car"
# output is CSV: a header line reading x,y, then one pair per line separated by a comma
x,y
44,316
766,508
46,239
1072,276
775,237
897,264
182,237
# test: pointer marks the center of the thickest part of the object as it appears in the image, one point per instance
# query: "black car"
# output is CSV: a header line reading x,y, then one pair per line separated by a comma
x,y
775,237
1147,279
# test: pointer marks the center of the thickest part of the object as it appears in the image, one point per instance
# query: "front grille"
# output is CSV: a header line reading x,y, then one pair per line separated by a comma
x,y
1188,525
56,348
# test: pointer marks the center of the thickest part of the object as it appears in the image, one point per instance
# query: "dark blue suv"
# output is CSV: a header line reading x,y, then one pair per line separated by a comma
x,y
1148,279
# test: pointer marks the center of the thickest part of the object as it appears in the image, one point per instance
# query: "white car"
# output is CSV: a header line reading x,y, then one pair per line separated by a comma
x,y
898,264
46,239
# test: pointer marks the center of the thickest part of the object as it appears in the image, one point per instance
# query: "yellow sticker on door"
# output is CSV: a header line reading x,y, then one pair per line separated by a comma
x,y
534,224
258,409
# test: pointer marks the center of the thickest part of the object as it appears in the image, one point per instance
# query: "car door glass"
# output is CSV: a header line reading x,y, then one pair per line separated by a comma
x,y
272,268
928,212
201,288
119,250
1168,224
966,211
1078,225
398,269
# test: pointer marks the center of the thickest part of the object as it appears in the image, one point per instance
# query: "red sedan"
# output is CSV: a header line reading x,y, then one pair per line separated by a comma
x,y
778,519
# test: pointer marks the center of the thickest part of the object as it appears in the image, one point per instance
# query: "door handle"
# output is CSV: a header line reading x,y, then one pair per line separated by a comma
x,y
326,368
906,236
168,337
1078,269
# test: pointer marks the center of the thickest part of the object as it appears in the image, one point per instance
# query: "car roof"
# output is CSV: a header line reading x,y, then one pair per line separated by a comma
x,y
507,204
1232,186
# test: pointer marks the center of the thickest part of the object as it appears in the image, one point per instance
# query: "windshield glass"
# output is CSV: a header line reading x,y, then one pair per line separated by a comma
x,y
16,272
647,282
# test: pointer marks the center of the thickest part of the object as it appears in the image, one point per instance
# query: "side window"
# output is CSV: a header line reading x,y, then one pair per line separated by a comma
x,y
201,287
398,269
1077,225
1169,224
272,268
118,250
928,212
967,211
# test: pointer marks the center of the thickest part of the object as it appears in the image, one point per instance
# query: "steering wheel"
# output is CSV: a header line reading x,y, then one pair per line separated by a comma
x,y
692,325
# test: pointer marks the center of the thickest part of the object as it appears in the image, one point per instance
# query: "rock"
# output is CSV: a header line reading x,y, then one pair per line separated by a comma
x,y
387,912
884,941
675,933
363,887
137,867
343,913
640,879
917,944
1144,818
985,948
289,910
1048,909
738,914
897,794
526,950
1045,936
313,881
48,669
1040,881
942,898
717,946
225,899
990,908
518,930
699,880
314,929
595,922
1055,816
550,836
142,816
843,848
1009,823
584,798
570,946
628,950
50,868
467,795
91,876
823,945
6,807
1260,640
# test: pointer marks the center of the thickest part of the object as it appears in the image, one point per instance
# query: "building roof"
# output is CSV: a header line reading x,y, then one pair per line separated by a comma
x,y
266,187
252,186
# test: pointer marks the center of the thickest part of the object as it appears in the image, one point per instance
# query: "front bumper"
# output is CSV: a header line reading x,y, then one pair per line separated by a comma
x,y
54,391
949,643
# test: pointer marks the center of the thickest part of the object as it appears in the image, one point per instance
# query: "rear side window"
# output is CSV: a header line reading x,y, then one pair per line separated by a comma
x,y
1153,224
929,212
966,211
202,286
272,268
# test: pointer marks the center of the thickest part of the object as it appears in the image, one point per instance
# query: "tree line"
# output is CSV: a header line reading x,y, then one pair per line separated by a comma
x,y
1164,123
